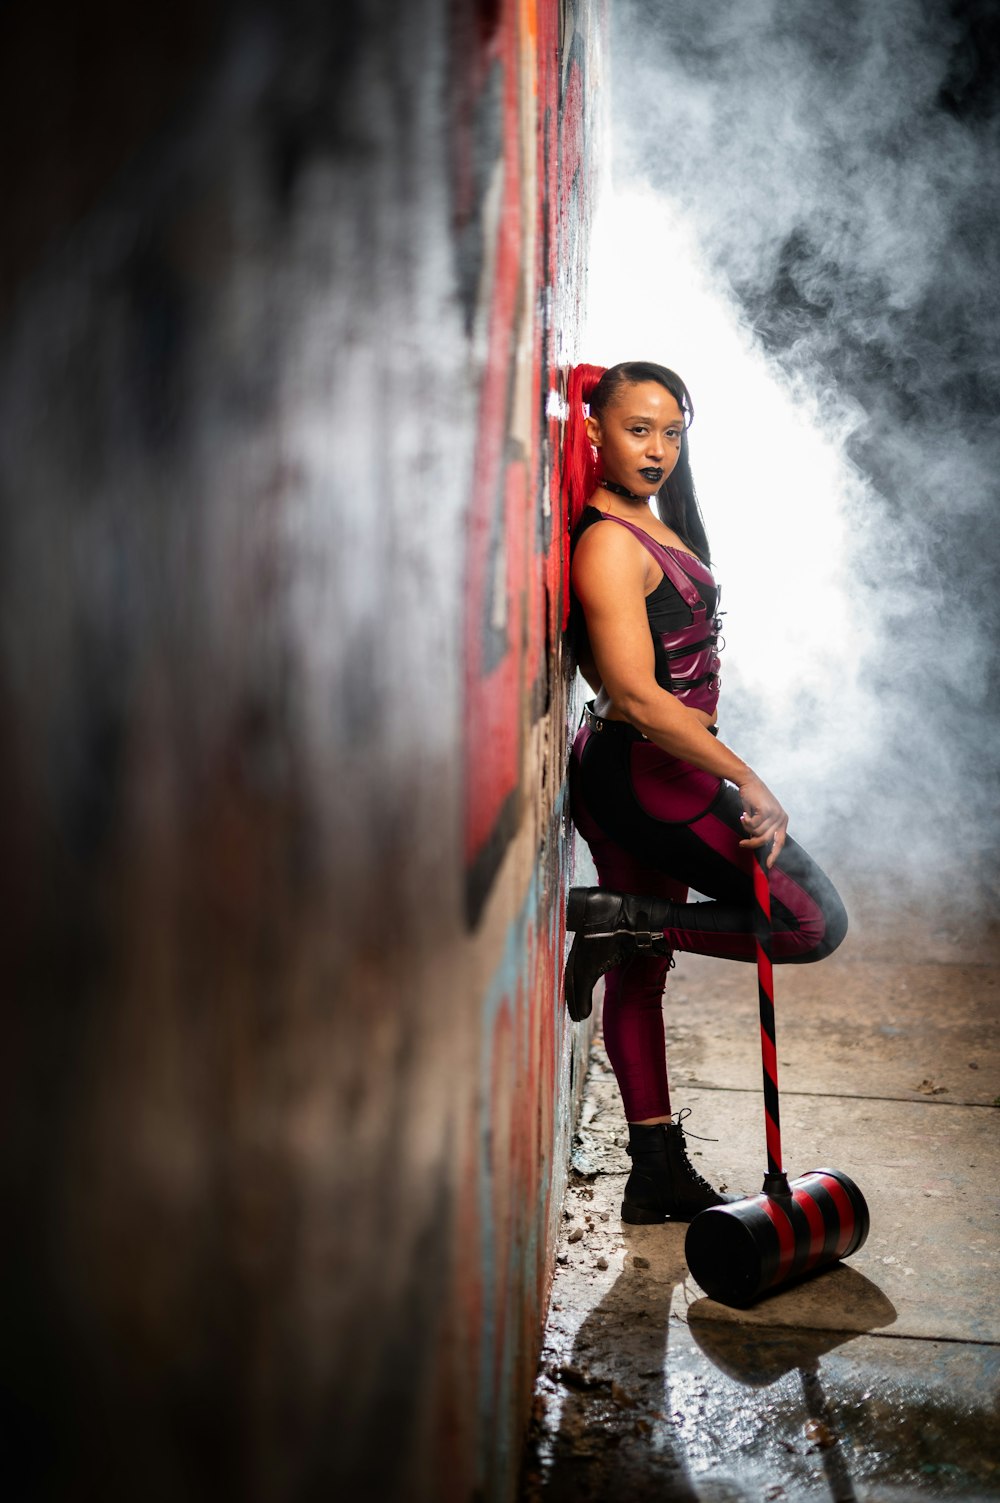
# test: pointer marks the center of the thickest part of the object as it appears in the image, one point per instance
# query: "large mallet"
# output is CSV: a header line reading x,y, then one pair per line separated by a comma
x,y
740,1251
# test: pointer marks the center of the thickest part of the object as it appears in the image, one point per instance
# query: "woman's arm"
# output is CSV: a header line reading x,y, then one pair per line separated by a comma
x,y
609,577
587,666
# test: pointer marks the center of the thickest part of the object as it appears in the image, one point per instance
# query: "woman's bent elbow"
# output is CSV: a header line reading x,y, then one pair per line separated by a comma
x,y
642,711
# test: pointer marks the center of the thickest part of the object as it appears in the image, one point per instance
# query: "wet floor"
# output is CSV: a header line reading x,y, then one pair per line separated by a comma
x,y
878,1379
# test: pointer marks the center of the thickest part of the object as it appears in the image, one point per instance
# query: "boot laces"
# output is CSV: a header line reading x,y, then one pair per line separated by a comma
x,y
620,955
698,1179
681,1116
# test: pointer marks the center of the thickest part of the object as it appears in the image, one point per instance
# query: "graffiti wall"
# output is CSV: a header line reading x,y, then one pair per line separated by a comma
x,y
287,1082
526,132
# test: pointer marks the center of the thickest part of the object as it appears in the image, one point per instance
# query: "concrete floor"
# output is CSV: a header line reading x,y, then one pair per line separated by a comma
x,y
876,1380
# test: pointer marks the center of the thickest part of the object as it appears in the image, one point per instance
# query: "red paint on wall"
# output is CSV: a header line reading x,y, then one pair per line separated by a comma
x,y
520,214
515,545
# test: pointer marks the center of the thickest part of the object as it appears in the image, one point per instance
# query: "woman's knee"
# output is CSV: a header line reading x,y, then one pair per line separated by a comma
x,y
834,925
815,910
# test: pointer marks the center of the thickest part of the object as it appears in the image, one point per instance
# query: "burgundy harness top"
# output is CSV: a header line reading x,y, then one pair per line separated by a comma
x,y
691,652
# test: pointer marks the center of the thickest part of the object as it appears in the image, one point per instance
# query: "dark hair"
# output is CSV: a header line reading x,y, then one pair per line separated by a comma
x,y
676,501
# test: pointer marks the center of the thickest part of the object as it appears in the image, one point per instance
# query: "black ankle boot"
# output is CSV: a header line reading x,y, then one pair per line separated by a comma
x,y
610,927
664,1184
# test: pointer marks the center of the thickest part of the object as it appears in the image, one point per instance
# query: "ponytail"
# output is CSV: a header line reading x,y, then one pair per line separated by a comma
x,y
581,465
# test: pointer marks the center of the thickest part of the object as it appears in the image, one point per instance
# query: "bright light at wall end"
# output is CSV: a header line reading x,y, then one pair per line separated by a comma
x,y
766,456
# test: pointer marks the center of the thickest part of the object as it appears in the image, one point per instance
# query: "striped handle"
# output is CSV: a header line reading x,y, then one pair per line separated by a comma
x,y
765,992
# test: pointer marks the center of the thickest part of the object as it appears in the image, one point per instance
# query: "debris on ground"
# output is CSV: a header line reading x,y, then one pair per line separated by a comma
x,y
820,1435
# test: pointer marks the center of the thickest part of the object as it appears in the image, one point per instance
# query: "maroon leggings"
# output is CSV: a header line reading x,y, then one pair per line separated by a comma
x,y
656,825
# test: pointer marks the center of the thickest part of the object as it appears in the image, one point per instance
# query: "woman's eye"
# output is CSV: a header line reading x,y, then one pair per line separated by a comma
x,y
639,430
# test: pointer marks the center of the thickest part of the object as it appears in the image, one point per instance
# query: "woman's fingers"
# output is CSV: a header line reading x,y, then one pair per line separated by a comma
x,y
774,835
763,819
777,845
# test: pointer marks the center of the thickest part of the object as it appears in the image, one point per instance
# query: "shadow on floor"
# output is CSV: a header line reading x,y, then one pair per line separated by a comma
x,y
635,1425
757,1356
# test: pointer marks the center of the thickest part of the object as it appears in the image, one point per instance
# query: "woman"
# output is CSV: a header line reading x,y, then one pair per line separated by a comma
x,y
660,800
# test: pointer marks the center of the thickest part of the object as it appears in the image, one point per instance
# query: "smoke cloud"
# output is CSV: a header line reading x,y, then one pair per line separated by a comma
x,y
812,195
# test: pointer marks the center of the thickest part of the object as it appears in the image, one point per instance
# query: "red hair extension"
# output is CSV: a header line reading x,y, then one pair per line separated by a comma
x,y
580,464
581,467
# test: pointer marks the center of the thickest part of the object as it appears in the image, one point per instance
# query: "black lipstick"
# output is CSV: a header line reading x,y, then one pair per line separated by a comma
x,y
653,474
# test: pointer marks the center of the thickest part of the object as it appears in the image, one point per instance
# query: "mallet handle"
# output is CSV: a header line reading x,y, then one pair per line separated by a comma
x,y
765,992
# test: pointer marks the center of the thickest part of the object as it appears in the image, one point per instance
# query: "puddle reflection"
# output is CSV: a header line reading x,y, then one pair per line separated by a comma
x,y
642,1416
759,1355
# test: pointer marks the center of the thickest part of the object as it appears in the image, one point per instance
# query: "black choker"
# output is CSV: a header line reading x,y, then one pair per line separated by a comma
x,y
619,490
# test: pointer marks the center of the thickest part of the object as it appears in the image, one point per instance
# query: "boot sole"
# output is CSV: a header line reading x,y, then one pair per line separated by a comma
x,y
639,1216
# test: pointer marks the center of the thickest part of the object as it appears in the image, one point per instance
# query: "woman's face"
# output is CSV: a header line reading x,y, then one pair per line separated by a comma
x,y
639,436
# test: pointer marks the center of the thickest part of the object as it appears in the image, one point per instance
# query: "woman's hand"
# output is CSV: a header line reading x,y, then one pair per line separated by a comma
x,y
763,818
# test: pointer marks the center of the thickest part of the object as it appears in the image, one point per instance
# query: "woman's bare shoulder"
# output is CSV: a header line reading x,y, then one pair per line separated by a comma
x,y
605,540
607,557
